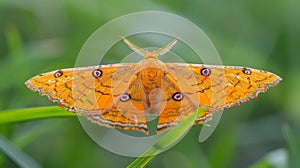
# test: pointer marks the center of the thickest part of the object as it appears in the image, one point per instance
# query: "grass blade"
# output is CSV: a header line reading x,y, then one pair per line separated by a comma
x,y
165,141
33,113
16,155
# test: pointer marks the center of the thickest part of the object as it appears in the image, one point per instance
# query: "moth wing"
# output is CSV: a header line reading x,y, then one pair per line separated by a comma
x,y
95,92
223,87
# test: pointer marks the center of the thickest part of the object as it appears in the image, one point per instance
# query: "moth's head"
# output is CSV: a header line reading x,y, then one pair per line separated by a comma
x,y
149,55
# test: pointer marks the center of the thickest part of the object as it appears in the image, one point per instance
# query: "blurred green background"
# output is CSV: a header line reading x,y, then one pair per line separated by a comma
x,y
39,36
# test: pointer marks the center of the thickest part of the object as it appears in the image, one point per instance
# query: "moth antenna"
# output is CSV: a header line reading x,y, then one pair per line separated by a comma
x,y
165,49
135,48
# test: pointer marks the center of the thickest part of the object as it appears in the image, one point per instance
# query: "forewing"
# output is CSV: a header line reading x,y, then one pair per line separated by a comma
x,y
223,86
95,94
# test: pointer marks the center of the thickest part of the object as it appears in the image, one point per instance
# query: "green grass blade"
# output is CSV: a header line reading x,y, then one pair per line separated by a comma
x,y
166,140
16,155
33,113
293,146
290,138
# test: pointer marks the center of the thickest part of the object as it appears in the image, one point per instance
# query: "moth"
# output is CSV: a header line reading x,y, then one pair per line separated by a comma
x,y
123,95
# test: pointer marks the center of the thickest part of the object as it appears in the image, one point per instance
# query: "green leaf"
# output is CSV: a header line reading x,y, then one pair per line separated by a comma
x,y
16,155
166,141
293,146
33,113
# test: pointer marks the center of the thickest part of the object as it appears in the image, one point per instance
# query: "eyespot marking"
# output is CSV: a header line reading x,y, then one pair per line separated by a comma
x,y
97,73
125,97
58,74
205,71
246,71
177,96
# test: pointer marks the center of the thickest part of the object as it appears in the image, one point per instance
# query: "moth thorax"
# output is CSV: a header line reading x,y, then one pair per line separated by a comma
x,y
151,78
